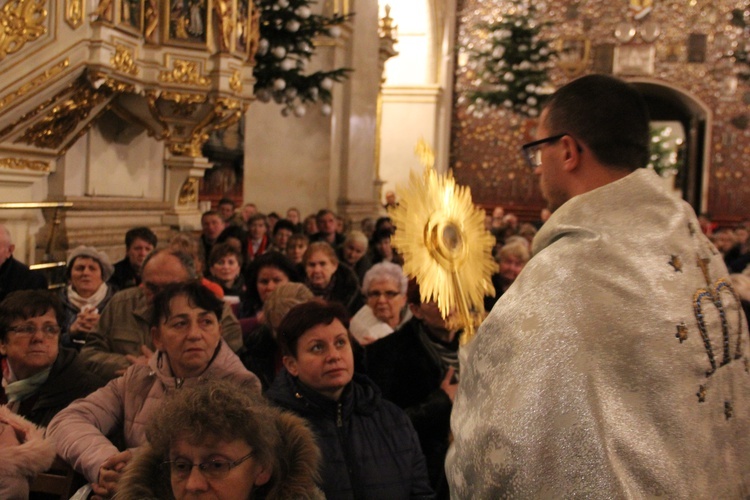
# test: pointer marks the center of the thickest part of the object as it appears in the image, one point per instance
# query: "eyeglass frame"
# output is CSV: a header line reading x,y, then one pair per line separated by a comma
x,y
532,149
203,467
29,330
388,294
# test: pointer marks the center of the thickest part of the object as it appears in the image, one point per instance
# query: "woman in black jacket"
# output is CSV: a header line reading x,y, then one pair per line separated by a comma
x,y
369,446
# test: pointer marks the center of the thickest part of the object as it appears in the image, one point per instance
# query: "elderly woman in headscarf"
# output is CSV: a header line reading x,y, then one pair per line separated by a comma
x,y
86,294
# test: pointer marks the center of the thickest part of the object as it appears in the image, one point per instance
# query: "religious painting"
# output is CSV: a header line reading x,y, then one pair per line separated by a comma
x,y
634,60
603,58
697,44
131,15
188,22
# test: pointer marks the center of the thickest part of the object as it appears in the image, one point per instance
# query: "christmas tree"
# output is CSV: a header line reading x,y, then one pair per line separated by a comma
x,y
288,29
510,65
664,152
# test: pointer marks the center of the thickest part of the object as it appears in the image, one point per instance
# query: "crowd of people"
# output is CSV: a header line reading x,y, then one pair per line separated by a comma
x,y
289,357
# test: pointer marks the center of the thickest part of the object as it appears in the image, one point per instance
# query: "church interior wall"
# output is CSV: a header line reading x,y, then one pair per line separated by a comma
x,y
486,150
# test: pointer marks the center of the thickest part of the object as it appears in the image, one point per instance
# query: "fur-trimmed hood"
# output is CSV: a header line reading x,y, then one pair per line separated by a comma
x,y
296,478
20,463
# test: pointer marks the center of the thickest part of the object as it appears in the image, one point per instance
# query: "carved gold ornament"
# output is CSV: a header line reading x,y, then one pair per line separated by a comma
x,y
186,72
445,245
188,191
123,60
34,83
22,21
74,13
235,82
184,105
22,164
63,119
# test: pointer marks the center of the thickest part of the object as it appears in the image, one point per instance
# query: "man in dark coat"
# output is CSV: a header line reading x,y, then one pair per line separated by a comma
x,y
13,274
416,367
139,242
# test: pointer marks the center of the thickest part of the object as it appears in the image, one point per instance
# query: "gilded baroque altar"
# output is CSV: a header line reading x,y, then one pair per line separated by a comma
x,y
98,95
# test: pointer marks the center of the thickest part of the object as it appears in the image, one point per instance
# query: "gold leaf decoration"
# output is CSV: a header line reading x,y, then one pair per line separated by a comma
x,y
23,164
186,72
235,82
123,60
74,13
22,21
34,83
445,245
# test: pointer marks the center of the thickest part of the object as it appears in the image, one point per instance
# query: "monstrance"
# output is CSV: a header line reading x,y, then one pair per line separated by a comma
x,y
445,246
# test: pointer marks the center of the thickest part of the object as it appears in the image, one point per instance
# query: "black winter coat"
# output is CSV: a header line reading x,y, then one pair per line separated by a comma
x,y
369,447
408,375
68,380
15,276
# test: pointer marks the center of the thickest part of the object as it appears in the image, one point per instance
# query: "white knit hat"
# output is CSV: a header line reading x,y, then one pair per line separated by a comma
x,y
93,253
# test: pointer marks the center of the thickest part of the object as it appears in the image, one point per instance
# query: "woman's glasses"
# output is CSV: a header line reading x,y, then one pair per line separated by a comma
x,y
48,331
215,469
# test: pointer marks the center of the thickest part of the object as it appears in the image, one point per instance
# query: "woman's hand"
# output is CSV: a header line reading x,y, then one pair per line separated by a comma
x,y
85,323
109,473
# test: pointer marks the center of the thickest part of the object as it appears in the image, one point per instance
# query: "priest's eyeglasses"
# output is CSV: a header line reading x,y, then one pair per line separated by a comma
x,y
215,469
532,151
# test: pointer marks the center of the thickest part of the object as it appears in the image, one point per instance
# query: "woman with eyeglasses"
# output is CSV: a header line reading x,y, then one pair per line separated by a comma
x,y
369,447
186,332
384,288
40,377
220,442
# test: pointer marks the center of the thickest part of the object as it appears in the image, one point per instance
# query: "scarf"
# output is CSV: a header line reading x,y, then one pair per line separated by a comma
x,y
18,390
93,301
444,354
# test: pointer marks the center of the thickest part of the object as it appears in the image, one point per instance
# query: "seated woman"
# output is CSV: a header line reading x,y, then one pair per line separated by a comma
x,y
381,249
86,295
225,269
262,354
353,253
40,378
217,440
370,449
24,453
186,332
385,311
511,260
330,281
295,250
264,275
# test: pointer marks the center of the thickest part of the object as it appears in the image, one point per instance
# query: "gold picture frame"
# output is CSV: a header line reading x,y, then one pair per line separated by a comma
x,y
574,54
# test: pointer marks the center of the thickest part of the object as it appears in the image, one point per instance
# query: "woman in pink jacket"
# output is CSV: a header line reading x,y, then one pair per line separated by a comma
x,y
187,335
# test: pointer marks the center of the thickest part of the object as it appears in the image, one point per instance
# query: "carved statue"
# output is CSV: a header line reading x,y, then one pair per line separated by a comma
x,y
103,11
223,10
196,27
253,37
152,21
